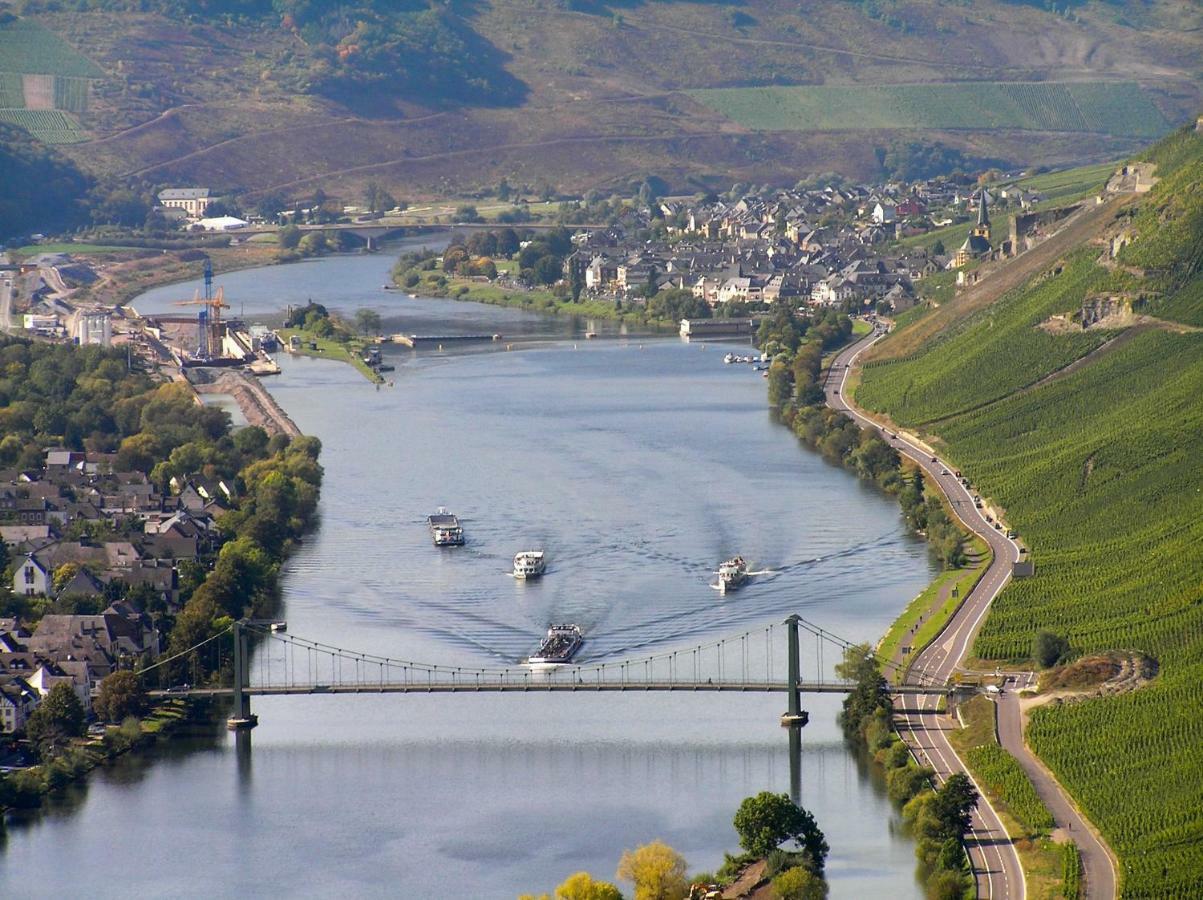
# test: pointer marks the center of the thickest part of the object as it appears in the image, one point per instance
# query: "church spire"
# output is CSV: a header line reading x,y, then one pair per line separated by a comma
x,y
983,217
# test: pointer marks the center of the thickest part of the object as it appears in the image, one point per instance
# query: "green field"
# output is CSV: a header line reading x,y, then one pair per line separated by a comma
x,y
52,126
1100,471
12,91
30,48
1117,108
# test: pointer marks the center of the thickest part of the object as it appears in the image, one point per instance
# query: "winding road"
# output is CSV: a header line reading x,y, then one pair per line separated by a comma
x,y
995,861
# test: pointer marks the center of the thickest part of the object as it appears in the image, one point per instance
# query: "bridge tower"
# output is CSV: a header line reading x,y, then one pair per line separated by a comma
x,y
795,716
242,718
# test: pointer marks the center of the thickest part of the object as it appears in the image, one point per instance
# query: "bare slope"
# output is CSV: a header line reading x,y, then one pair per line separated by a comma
x,y
604,92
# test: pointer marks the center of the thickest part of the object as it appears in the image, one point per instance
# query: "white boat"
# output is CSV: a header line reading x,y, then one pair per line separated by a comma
x,y
729,358
558,647
529,564
445,529
732,573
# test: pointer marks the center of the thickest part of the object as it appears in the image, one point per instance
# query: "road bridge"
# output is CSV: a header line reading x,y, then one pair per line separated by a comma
x,y
288,665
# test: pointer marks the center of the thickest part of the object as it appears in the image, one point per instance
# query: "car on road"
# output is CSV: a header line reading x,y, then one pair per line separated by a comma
x,y
993,689
943,471
933,459
1012,534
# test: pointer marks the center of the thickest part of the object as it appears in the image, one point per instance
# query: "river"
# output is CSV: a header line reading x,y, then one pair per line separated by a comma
x,y
638,463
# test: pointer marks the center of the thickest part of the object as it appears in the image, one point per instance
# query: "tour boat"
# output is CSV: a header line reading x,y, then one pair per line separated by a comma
x,y
529,564
732,574
445,529
559,646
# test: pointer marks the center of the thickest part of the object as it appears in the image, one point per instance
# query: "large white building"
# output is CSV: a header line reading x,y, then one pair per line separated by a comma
x,y
94,327
193,201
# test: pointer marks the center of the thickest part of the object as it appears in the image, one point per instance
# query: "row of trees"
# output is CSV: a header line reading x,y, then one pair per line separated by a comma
x,y
939,818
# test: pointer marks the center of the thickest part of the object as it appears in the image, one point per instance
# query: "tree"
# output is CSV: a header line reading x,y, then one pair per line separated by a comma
x,y
657,871
289,236
937,248
799,883
870,693
582,886
121,694
379,200
367,321
1048,649
953,806
765,821
59,717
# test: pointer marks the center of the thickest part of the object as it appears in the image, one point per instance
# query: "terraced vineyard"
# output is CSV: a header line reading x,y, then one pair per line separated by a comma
x,y
50,125
1100,471
1116,108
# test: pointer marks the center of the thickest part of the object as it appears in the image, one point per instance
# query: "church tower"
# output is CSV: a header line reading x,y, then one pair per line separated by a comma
x,y
977,245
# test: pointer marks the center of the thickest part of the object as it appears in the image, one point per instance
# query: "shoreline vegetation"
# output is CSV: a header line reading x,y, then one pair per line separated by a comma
x,y
798,399
134,424
524,270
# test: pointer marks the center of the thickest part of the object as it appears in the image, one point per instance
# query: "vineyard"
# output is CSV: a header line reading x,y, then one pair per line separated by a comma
x,y
52,126
989,356
30,48
998,771
71,94
1100,471
1115,108
12,91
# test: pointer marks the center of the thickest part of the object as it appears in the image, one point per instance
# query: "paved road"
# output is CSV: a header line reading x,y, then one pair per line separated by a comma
x,y
995,861
1097,864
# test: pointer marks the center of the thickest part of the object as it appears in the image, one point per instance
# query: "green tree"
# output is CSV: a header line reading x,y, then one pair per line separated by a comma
x,y
367,321
57,719
870,693
657,871
799,883
953,806
582,886
1048,649
289,236
121,694
765,821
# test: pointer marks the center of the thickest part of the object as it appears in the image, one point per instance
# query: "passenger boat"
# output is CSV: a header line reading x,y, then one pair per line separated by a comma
x,y
559,646
529,564
732,574
445,529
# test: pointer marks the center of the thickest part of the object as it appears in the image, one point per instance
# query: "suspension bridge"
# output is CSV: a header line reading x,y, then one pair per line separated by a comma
x,y
751,662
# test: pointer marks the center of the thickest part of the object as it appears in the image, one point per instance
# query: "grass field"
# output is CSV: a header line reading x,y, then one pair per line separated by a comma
x,y
1099,471
30,48
1115,108
52,126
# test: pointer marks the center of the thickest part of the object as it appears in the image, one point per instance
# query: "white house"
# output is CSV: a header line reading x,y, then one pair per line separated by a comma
x,y
193,201
31,578
885,213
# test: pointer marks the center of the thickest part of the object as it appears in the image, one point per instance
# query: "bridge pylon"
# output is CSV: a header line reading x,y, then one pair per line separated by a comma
x,y
242,718
795,716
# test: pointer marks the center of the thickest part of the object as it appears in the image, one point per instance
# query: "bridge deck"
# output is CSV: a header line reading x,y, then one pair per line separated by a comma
x,y
527,687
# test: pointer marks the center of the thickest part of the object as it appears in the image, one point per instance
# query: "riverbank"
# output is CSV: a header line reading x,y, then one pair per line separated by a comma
x,y
27,788
257,404
349,351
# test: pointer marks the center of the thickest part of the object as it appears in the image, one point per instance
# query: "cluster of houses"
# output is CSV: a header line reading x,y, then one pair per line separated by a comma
x,y
130,575
834,246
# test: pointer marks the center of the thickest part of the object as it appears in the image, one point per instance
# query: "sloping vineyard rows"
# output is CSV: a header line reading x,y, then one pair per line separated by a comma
x,y
28,47
12,92
50,125
990,356
999,772
71,94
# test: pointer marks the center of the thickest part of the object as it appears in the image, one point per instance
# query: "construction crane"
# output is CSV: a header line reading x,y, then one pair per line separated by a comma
x,y
208,343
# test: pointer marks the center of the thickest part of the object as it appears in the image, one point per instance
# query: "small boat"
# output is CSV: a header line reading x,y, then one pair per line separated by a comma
x,y
590,335
729,358
559,646
445,529
732,573
279,626
529,564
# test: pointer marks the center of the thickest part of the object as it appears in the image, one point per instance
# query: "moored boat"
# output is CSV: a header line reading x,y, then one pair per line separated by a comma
x,y
445,528
559,646
529,564
732,573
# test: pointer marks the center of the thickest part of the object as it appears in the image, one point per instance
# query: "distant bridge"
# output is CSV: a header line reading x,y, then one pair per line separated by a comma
x,y
373,231
750,662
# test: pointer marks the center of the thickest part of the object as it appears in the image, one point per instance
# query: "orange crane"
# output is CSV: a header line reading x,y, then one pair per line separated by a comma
x,y
209,338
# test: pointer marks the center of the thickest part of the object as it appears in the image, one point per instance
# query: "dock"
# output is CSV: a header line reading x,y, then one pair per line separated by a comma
x,y
414,341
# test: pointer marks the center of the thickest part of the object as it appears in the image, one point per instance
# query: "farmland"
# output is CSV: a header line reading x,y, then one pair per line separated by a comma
x,y
52,126
1116,108
27,47
1099,471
